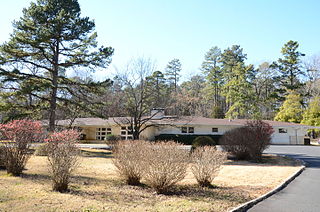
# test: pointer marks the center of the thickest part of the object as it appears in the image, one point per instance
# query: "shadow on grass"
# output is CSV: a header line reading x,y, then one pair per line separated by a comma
x,y
196,192
267,160
96,154
80,180
117,191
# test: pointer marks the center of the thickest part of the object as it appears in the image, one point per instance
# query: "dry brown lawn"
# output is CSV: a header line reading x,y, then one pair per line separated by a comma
x,y
97,187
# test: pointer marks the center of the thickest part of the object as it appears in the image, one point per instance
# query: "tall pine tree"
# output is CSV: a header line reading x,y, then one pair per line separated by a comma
x,y
289,67
236,87
173,73
214,81
49,39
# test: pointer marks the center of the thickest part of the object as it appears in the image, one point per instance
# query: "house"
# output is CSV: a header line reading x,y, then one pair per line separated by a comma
x,y
97,129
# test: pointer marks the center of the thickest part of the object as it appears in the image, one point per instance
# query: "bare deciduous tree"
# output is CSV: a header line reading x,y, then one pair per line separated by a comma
x,y
137,106
312,64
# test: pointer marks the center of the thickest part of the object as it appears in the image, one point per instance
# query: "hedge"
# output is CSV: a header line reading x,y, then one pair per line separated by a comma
x,y
185,139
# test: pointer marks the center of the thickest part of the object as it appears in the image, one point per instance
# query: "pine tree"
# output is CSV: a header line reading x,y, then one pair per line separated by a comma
x,y
157,88
236,87
214,81
289,67
49,39
172,72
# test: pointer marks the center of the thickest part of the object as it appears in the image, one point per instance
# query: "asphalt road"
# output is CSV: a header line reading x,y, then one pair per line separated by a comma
x,y
303,193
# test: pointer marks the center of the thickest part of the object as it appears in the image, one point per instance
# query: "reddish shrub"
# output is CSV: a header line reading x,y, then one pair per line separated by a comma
x,y
259,139
235,142
248,142
63,157
19,133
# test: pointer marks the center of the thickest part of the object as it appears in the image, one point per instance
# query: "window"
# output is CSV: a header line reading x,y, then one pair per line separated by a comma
x,y
282,130
126,132
102,132
184,129
109,131
187,129
214,129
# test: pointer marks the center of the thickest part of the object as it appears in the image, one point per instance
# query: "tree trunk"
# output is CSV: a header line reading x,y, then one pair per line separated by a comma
x,y
53,95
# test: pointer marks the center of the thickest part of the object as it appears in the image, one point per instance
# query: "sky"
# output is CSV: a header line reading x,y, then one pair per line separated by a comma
x,y
186,29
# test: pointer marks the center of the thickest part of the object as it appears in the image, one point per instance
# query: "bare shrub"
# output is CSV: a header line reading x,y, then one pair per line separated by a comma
x,y
2,157
165,164
248,142
259,139
234,142
63,156
19,135
128,158
206,163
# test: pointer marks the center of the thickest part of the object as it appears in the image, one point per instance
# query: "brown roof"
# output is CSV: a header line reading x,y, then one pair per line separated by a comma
x,y
184,120
197,120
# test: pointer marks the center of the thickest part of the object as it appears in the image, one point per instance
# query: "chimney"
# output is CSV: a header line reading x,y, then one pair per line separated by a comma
x,y
157,113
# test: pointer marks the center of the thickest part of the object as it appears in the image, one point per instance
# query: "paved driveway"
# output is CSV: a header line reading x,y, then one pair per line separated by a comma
x,y
302,194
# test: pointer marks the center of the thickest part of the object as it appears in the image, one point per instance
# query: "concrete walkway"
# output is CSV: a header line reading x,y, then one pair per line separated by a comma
x,y
303,193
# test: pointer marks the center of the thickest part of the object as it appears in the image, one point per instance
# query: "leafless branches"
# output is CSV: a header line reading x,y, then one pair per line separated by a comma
x,y
206,162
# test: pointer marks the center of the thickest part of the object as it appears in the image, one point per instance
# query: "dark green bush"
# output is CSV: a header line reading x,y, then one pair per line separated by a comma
x,y
184,139
112,139
203,141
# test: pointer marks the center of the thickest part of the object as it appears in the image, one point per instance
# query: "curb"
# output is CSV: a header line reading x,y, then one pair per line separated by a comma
x,y
245,206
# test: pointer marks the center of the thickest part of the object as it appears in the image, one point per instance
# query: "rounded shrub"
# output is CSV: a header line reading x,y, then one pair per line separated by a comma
x,y
164,164
203,141
63,157
128,158
248,142
19,134
206,163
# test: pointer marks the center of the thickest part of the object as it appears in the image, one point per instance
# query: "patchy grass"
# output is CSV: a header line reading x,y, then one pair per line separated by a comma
x,y
97,187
